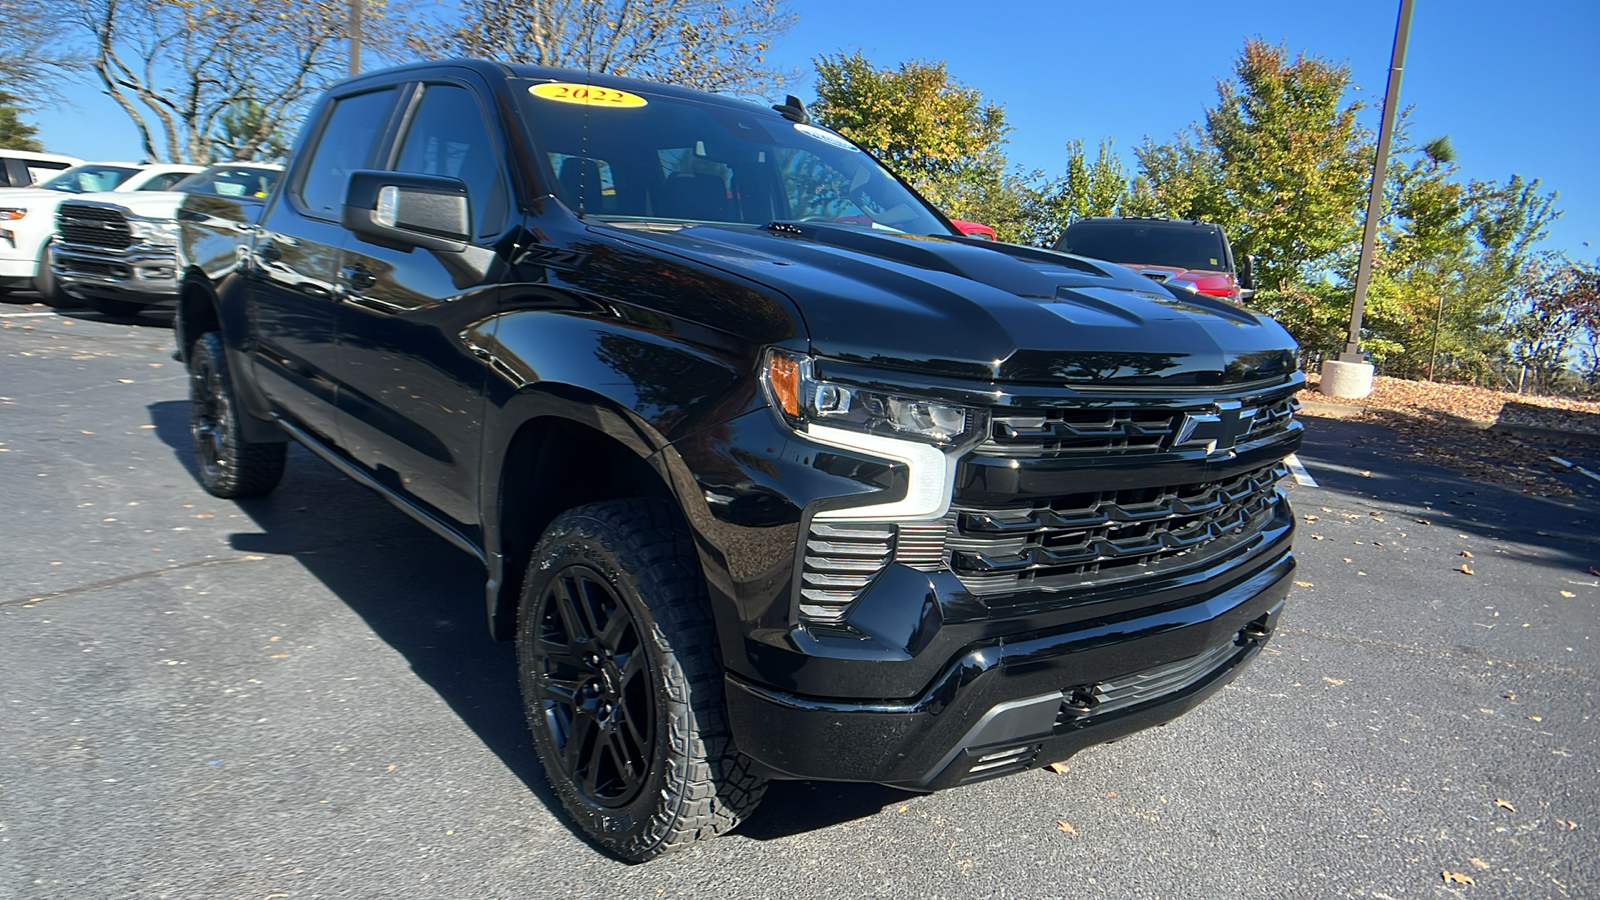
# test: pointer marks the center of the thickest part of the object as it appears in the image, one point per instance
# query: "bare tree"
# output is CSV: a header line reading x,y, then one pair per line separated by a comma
x,y
705,44
179,68
35,53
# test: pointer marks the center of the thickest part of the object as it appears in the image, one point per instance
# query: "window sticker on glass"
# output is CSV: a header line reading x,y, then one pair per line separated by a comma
x,y
586,95
826,136
1213,260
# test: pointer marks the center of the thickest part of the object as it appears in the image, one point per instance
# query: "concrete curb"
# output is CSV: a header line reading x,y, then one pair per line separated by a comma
x,y
1324,410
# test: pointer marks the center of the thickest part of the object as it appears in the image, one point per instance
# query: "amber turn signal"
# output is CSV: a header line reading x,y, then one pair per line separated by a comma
x,y
783,378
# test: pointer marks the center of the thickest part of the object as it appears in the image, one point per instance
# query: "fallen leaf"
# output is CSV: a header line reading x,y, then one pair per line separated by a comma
x,y
1333,680
1304,584
1477,863
1467,569
1317,537
1060,768
279,656
1111,794
125,381
1456,878
1504,804
1566,824
1063,825
1594,571
1375,514
1536,718
1310,518
1467,553
1365,473
1423,522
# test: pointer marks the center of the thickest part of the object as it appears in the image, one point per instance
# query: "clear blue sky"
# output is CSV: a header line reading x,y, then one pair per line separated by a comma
x,y
1515,86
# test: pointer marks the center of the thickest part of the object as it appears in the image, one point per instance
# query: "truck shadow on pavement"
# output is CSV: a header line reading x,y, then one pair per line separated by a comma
x,y
424,598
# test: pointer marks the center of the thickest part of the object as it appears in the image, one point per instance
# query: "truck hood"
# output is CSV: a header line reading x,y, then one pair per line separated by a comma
x,y
146,204
975,309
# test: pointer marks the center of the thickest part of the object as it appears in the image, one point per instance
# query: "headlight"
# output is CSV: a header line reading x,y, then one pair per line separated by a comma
x,y
804,400
12,214
160,232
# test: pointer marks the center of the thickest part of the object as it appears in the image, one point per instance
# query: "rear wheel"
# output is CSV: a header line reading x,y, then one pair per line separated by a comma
x,y
622,684
230,465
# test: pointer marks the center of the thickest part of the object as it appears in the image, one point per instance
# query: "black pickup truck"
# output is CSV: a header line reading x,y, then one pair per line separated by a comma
x,y
772,473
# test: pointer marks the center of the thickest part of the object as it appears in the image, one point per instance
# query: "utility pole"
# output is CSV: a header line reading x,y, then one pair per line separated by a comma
x,y
1350,376
355,36
1369,234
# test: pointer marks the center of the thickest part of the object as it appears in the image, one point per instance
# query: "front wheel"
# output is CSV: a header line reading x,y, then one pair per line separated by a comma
x,y
230,465
622,684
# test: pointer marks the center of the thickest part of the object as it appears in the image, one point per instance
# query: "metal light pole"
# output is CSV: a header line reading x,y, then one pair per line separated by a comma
x,y
1369,234
355,36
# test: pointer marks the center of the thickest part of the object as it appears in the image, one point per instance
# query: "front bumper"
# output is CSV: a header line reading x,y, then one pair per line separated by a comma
x,y
1022,701
138,274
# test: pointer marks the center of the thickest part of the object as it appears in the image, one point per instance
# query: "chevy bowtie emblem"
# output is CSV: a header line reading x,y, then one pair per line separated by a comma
x,y
1219,431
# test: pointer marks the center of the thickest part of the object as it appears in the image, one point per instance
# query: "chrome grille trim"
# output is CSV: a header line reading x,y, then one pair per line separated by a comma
x,y
841,562
920,545
93,226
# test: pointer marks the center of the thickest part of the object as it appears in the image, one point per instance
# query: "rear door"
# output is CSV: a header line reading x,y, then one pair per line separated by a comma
x,y
411,392
295,268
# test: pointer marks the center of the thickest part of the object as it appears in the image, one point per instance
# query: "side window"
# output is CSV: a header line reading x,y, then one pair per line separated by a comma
x,y
344,146
163,182
448,136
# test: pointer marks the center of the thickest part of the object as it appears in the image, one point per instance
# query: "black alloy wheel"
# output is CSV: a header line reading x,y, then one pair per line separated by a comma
x,y
230,465
593,685
622,682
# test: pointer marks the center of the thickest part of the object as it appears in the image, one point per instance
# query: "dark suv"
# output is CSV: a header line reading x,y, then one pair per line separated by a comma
x,y
771,472
1192,256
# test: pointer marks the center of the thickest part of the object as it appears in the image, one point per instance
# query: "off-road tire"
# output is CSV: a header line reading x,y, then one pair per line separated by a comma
x,y
44,282
230,465
628,570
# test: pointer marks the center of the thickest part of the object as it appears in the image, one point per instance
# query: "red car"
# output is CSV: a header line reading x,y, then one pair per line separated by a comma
x,y
1193,256
974,229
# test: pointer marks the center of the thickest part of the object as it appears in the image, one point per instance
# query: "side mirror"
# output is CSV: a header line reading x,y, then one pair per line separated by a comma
x,y
1247,272
404,210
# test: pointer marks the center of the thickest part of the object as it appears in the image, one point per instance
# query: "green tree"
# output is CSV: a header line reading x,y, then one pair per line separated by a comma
x,y
1181,179
1294,163
15,134
245,132
933,131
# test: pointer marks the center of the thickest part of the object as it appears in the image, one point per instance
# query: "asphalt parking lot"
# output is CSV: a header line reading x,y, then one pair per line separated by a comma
x,y
295,697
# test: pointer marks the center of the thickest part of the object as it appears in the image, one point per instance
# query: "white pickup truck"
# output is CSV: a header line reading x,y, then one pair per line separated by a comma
x,y
121,253
28,215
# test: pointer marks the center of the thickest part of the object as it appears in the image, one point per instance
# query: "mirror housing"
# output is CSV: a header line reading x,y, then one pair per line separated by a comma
x,y
1247,272
405,210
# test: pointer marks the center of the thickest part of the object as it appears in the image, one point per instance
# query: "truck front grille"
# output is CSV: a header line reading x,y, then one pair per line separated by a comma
x,y
1101,537
93,226
1123,430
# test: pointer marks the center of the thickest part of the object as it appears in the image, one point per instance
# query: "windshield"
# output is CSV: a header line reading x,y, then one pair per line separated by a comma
x,y
89,178
230,181
1133,242
668,159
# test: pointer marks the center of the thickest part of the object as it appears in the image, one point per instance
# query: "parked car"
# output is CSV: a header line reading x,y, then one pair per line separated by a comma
x,y
760,490
120,252
1193,256
24,168
974,229
28,216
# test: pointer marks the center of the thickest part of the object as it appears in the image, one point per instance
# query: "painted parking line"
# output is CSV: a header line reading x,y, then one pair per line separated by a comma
x,y
1576,468
25,315
1301,476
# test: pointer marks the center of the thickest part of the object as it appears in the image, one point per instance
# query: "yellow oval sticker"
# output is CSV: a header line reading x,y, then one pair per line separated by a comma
x,y
586,95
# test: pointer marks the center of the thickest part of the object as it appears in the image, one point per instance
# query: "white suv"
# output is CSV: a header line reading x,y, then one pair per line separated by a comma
x,y
28,215
23,168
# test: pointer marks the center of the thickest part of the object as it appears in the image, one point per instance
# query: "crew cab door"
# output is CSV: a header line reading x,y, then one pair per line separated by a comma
x,y
296,259
411,391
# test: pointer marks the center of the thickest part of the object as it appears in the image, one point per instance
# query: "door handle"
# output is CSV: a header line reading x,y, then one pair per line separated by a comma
x,y
357,278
